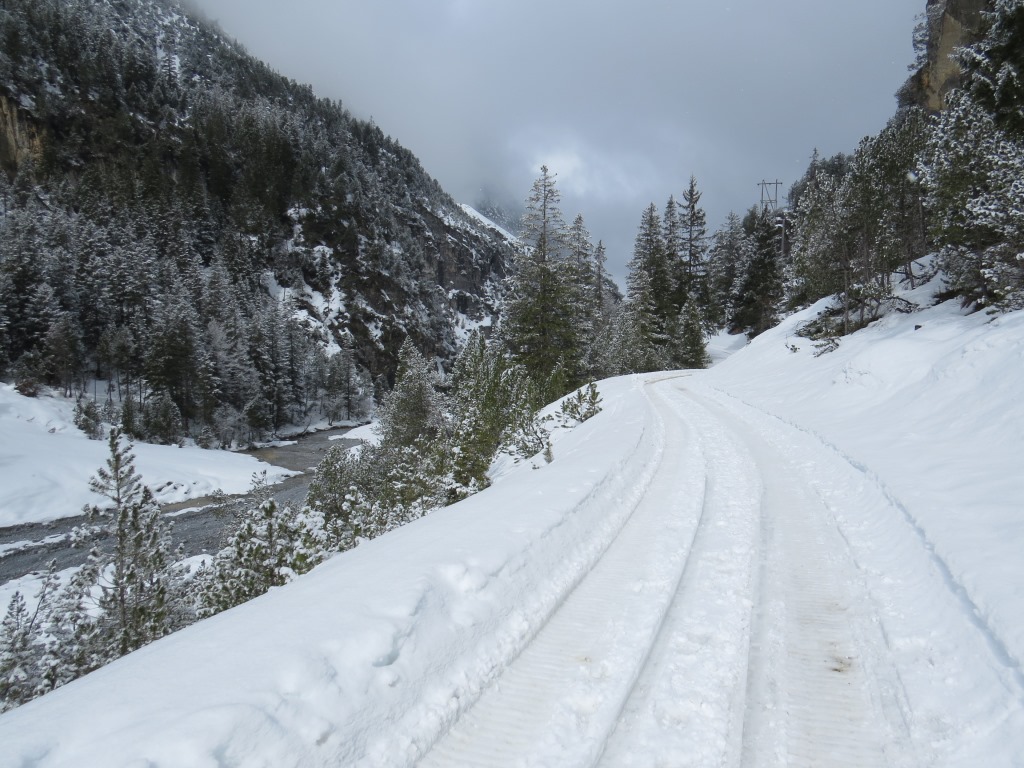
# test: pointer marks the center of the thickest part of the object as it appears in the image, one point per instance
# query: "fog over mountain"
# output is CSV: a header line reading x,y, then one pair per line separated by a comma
x,y
624,101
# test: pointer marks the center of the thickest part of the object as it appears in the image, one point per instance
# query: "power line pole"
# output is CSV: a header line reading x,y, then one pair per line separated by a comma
x,y
769,195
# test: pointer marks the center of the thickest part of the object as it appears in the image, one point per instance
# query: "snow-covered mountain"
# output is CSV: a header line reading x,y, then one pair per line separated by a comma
x,y
159,179
798,556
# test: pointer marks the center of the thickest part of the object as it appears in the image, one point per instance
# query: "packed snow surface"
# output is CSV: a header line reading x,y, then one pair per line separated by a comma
x,y
788,559
46,463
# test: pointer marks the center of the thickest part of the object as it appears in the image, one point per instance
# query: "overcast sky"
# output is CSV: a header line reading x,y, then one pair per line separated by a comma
x,y
623,100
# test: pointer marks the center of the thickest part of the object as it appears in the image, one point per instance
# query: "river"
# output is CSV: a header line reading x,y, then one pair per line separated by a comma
x,y
199,525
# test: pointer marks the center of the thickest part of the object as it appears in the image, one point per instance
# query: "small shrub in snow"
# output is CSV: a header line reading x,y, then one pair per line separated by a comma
x,y
582,404
88,419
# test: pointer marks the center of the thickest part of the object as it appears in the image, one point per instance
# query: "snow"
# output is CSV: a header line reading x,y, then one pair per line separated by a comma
x,y
475,214
787,559
933,413
723,345
46,463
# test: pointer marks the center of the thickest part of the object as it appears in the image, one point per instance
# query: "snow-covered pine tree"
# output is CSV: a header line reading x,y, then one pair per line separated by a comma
x,y
25,634
973,164
674,245
690,345
993,68
540,326
642,338
543,226
488,396
17,654
583,298
411,410
133,578
903,227
822,254
727,258
691,277
649,256
270,547
760,287
640,341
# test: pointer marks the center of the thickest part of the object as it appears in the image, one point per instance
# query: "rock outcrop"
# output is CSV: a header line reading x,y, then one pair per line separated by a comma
x,y
950,24
19,140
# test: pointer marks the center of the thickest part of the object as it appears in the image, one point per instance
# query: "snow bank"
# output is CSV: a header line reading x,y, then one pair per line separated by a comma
x,y
371,655
929,405
46,463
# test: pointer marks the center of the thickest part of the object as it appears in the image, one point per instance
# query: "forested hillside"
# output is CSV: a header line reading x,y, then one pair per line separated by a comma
x,y
941,178
230,252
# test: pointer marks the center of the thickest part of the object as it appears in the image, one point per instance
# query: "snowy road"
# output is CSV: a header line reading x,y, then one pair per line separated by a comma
x,y
727,604
691,582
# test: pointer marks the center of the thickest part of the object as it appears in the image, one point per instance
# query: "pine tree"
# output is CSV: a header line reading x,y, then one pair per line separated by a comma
x,y
270,547
641,339
972,167
649,256
691,278
584,295
16,658
645,324
994,66
675,248
542,226
691,346
337,481
486,400
903,220
133,578
728,257
24,635
540,326
823,255
411,411
760,287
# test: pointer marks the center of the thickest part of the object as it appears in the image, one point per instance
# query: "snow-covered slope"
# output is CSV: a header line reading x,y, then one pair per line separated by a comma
x,y
46,463
787,559
930,406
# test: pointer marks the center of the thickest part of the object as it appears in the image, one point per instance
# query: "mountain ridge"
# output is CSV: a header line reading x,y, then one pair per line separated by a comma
x,y
137,126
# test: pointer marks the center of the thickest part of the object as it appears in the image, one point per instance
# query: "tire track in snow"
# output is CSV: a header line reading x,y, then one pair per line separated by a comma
x,y
570,549
557,702
972,609
687,706
812,690
786,684
950,690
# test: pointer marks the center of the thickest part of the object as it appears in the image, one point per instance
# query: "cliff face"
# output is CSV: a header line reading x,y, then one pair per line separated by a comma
x,y
949,25
19,139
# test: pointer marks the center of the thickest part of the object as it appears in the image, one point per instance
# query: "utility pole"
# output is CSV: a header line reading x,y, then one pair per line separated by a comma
x,y
769,195
770,204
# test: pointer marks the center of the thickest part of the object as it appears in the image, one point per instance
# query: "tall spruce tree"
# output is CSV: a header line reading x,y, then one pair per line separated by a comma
x,y
691,279
690,346
646,323
133,578
543,226
760,288
541,327
727,258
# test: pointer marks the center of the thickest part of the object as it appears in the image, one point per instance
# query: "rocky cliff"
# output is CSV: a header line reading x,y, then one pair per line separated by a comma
x,y
948,24
19,139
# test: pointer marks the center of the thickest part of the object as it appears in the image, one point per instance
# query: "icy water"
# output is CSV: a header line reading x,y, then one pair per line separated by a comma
x,y
197,524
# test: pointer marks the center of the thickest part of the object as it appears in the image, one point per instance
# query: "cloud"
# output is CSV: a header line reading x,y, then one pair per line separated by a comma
x,y
623,100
